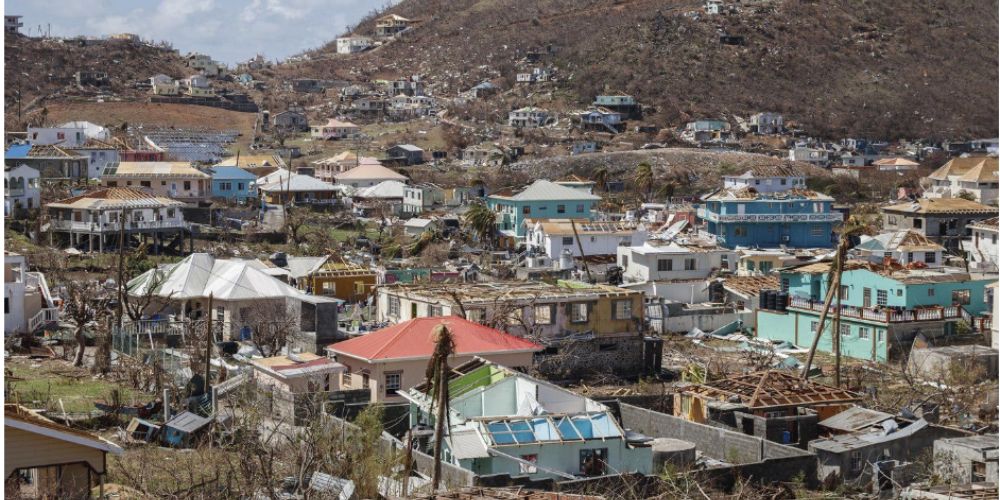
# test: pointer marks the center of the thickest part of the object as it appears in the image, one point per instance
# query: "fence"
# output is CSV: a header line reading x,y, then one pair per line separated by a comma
x,y
886,315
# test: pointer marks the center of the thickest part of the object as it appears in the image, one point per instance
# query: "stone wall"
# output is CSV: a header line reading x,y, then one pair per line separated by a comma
x,y
802,427
626,357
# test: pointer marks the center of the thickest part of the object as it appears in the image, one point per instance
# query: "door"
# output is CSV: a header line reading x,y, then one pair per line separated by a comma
x,y
866,297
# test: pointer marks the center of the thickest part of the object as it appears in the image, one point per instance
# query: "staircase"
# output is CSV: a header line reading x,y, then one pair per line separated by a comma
x,y
46,316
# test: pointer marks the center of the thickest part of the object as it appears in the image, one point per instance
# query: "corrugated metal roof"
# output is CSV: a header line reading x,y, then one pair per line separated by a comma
x,y
466,444
854,419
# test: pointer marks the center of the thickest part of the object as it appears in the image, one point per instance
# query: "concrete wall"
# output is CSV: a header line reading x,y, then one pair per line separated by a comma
x,y
625,357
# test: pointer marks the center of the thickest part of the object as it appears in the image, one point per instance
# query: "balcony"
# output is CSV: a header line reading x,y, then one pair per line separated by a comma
x,y
14,192
114,227
43,317
884,315
770,218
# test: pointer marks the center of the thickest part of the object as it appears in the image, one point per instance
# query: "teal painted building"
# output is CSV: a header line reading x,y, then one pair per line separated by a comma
x,y
233,183
505,422
882,312
541,200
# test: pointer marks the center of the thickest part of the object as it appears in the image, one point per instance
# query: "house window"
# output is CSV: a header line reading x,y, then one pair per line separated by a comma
x,y
864,333
880,335
435,311
561,209
816,230
526,210
856,461
347,377
961,297
593,462
918,223
881,297
365,380
665,265
394,306
930,257
623,309
784,284
170,212
392,383
475,315
240,186
909,257
226,186
690,264
329,288
930,292
526,468
844,292
845,330
146,184
6,305
543,315
220,314
739,231
579,208
813,325
567,240
578,312
187,185
624,262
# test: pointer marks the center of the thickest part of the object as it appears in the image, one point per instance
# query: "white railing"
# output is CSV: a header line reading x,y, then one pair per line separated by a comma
x,y
70,225
752,218
42,317
885,315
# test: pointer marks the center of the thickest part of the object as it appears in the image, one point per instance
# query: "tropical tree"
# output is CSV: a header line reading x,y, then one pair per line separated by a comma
x,y
667,190
483,222
644,179
601,178
437,383
854,226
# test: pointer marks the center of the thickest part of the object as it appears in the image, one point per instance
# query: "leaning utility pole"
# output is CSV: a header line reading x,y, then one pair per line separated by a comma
x,y
208,343
583,256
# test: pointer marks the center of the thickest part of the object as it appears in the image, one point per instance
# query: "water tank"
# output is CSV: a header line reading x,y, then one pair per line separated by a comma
x,y
675,453
566,259
772,300
782,301
764,294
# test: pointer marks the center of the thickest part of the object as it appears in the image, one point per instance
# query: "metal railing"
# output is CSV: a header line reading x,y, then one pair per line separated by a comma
x,y
115,226
42,317
753,218
886,315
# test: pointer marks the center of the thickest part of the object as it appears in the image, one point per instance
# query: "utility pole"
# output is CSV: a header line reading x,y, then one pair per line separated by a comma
x,y
208,342
121,270
836,335
579,245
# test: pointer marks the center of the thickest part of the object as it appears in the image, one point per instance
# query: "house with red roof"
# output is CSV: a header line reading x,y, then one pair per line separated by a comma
x,y
394,359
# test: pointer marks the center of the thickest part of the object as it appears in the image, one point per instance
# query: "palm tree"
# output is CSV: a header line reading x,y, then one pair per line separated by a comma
x,y
667,190
644,179
437,382
852,227
483,222
601,178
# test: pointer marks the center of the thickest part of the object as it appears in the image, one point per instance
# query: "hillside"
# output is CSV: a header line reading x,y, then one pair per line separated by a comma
x,y
888,69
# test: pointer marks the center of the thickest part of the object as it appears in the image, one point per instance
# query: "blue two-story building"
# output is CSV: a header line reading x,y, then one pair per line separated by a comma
x,y
882,309
543,199
233,183
769,207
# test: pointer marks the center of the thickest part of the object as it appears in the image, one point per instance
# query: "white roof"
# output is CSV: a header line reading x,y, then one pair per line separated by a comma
x,y
385,189
418,222
91,130
200,275
279,181
544,190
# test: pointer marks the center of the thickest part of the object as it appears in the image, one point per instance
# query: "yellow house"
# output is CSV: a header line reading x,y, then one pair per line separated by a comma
x,y
342,280
55,461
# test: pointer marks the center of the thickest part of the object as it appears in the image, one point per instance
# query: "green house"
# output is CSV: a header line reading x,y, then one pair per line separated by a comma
x,y
882,310
541,200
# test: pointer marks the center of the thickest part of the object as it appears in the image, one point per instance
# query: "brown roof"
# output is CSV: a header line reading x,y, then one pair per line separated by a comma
x,y
941,206
991,223
772,388
18,412
751,286
91,199
972,168
51,152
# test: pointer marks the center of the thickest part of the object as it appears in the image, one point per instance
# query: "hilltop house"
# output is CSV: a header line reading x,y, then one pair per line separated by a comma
x,y
766,123
624,104
342,280
394,359
977,175
504,422
907,248
21,190
325,169
243,297
368,174
816,156
673,261
981,250
792,216
882,308
164,85
556,237
65,136
173,179
335,129
27,304
529,117
766,179
353,44
700,131
391,25
233,183
52,162
102,155
93,219
599,119
943,220
290,120
383,198
543,199
407,154
197,86
204,64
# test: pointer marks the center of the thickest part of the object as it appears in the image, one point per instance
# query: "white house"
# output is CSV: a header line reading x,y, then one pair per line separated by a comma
x,y
766,123
554,236
815,156
981,248
767,179
976,175
654,261
27,303
163,85
906,247
416,226
334,129
67,137
21,189
528,117
102,155
353,44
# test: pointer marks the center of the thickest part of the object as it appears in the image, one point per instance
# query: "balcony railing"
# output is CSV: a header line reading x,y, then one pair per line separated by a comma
x,y
97,227
14,192
765,218
884,315
43,317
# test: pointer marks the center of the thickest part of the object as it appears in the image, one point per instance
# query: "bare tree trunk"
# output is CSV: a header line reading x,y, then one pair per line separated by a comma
x,y
81,346
442,414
